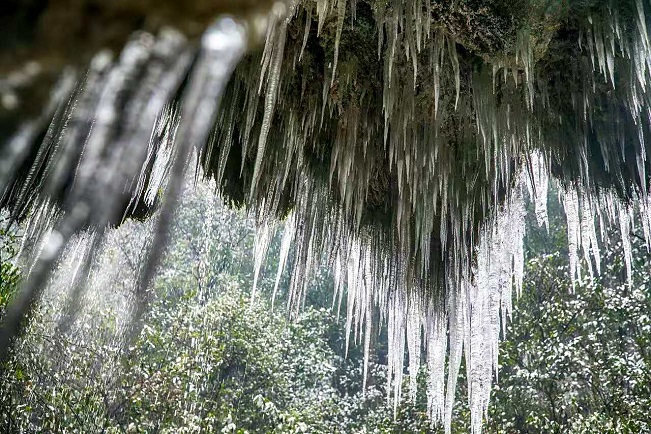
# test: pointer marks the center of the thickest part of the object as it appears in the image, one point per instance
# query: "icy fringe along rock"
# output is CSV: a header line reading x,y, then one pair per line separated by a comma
x,y
440,301
379,271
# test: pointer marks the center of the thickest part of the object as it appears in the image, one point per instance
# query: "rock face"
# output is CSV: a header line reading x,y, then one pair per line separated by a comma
x,y
389,132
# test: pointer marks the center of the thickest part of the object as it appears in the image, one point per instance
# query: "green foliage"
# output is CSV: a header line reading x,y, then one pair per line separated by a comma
x,y
9,274
207,359
218,366
578,362
210,360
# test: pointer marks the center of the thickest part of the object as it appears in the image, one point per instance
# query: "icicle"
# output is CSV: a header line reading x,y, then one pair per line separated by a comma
x,y
223,46
367,340
102,175
306,32
589,238
452,49
264,235
489,296
539,187
625,231
19,146
457,331
414,324
285,245
396,338
436,351
571,204
273,84
341,16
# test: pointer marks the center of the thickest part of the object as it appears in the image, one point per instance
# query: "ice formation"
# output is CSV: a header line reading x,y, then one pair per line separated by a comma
x,y
403,164
107,132
464,313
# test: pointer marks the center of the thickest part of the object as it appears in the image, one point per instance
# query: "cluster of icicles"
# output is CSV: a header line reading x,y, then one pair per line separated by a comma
x,y
376,270
478,300
120,139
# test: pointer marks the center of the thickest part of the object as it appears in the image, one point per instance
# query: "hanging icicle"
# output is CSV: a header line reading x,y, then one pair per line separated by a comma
x,y
396,147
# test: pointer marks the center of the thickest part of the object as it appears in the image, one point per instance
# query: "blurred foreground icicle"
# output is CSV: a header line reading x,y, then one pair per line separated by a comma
x,y
223,46
118,130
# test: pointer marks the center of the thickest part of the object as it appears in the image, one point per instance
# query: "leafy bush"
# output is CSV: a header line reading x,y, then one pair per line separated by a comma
x,y
210,360
578,362
9,273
